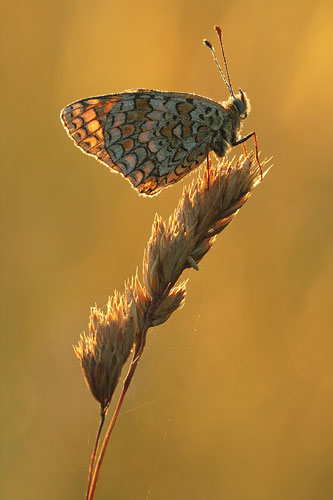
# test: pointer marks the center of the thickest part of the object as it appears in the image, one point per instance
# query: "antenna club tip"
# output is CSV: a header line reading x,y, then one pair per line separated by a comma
x,y
218,30
206,42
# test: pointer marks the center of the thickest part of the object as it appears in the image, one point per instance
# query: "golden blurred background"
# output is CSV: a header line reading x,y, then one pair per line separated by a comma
x,y
233,398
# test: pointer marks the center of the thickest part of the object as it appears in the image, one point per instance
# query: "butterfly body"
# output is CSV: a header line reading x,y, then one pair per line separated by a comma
x,y
154,138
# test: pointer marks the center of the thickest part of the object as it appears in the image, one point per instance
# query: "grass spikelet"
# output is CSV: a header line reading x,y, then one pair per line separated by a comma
x,y
206,208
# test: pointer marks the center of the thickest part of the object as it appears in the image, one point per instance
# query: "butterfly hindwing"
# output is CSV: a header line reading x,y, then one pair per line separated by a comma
x,y
84,121
153,138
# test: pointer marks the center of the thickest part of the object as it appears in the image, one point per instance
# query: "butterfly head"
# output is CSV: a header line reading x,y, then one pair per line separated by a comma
x,y
242,104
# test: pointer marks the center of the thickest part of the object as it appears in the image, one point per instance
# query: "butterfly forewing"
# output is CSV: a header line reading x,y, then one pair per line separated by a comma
x,y
153,138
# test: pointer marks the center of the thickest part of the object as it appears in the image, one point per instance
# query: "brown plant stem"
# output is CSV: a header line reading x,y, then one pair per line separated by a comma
x,y
94,453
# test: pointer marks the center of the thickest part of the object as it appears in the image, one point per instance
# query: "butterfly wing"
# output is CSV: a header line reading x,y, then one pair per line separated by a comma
x,y
153,138
84,122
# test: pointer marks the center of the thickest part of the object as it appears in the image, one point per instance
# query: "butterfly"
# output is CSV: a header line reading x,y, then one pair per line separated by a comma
x,y
154,138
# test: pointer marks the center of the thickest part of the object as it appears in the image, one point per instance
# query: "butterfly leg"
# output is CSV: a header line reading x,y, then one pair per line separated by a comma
x,y
209,162
243,140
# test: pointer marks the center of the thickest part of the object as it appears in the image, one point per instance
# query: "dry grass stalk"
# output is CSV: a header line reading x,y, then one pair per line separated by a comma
x,y
204,210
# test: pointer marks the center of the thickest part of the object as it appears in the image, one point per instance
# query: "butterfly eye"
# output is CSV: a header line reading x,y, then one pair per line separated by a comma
x,y
239,105
243,115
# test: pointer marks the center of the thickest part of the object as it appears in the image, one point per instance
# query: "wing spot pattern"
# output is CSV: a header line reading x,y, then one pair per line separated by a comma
x,y
153,138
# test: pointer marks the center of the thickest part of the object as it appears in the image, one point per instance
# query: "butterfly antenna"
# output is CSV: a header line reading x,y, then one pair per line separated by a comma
x,y
219,33
210,46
